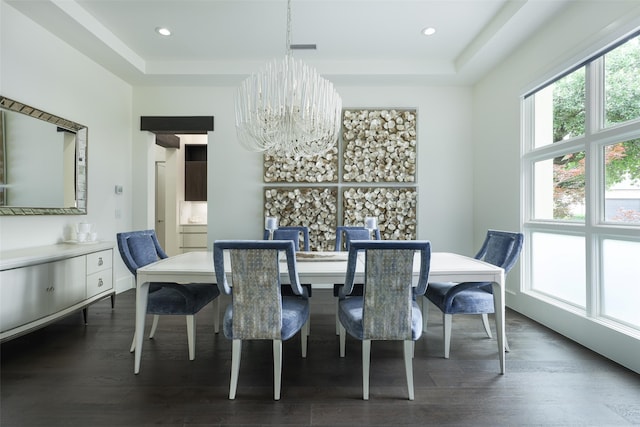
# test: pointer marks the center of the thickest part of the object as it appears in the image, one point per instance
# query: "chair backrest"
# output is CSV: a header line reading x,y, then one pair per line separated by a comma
x,y
255,284
388,286
501,248
347,233
293,233
139,248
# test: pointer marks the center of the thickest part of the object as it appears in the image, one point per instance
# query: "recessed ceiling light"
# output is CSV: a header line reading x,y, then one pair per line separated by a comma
x,y
429,31
163,31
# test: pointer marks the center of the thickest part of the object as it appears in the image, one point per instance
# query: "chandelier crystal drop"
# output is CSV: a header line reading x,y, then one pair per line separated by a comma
x,y
287,109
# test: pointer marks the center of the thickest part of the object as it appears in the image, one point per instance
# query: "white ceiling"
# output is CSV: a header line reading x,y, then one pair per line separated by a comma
x,y
358,41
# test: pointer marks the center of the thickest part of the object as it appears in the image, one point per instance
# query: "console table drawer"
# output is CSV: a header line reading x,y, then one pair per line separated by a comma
x,y
99,261
99,282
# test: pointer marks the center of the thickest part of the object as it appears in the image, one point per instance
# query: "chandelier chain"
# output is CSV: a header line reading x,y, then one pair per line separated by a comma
x,y
288,41
288,109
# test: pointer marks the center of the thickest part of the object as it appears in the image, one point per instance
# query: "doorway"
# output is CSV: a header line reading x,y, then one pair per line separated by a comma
x,y
166,129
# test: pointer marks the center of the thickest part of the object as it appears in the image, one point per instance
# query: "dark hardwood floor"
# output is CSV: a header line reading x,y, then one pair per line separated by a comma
x,y
69,374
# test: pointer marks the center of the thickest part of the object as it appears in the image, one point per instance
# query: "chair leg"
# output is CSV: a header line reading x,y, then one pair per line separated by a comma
x,y
154,326
133,344
408,366
216,314
304,335
191,335
485,323
446,320
366,359
236,352
337,319
277,368
486,327
343,339
425,315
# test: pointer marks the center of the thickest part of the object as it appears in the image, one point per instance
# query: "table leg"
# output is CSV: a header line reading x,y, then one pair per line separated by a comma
x,y
142,292
499,307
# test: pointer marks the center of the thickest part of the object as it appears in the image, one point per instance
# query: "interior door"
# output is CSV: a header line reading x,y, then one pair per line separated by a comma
x,y
160,203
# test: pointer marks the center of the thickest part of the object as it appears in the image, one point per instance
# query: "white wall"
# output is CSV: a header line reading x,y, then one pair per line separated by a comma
x,y
235,183
575,33
43,71
46,73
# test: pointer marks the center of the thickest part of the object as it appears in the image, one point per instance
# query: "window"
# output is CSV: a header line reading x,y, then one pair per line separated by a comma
x,y
558,267
620,274
622,182
559,188
560,109
581,166
622,83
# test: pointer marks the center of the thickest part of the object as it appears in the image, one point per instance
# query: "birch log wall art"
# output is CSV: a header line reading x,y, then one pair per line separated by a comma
x,y
315,207
379,145
374,174
314,169
395,208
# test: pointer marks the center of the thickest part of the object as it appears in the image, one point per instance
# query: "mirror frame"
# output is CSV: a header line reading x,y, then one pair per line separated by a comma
x,y
81,132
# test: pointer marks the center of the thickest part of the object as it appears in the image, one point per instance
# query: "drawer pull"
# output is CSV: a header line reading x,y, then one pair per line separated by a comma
x,y
100,262
100,282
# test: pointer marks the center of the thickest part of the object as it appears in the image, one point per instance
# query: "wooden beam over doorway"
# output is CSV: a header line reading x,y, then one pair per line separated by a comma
x,y
177,125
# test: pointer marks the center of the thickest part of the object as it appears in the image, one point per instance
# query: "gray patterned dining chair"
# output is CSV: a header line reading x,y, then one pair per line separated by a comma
x,y
501,248
297,234
140,248
258,310
387,309
344,235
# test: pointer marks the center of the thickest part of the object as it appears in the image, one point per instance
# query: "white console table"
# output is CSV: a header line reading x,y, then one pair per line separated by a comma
x,y
41,284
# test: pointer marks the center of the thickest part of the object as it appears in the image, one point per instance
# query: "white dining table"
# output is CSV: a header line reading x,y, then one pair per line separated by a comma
x,y
320,269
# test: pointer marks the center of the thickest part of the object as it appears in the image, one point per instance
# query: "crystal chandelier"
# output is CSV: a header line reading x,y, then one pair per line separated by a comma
x,y
287,109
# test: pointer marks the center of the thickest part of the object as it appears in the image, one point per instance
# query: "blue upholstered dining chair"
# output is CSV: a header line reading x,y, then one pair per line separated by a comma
x,y
501,248
387,310
293,233
344,235
139,248
258,310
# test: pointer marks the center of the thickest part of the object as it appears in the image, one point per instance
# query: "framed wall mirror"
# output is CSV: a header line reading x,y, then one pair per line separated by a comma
x,y
43,162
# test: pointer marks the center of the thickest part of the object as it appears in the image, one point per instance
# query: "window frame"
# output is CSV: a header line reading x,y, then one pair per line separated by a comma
x,y
594,228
